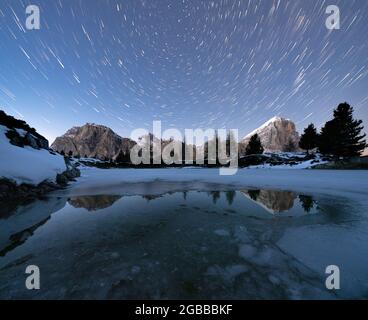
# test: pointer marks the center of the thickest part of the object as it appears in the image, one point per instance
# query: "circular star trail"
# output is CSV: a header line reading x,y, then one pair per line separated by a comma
x,y
191,64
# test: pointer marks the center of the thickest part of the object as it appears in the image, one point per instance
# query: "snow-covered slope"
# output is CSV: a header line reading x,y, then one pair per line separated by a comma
x,y
264,126
27,165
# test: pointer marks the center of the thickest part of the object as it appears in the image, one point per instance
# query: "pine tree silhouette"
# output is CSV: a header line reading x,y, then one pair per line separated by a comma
x,y
342,135
254,146
309,138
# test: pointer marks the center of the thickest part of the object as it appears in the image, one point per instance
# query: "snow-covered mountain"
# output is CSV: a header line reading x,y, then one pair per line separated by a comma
x,y
277,135
93,141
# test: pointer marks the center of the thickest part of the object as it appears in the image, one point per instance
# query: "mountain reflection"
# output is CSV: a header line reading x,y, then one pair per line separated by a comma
x,y
94,203
278,201
150,197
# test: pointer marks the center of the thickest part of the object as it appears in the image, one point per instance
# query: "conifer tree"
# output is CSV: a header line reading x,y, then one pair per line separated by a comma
x,y
254,146
342,136
309,138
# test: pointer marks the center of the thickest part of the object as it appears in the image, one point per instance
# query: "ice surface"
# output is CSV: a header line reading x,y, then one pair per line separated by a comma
x,y
179,245
190,233
333,182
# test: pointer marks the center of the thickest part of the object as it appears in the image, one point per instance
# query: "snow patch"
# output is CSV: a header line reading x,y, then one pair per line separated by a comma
x,y
27,165
265,125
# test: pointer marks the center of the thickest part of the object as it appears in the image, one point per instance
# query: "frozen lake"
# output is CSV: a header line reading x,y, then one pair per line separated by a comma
x,y
189,233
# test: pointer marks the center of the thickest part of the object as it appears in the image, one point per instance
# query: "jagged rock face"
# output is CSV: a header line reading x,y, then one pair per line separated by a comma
x,y
94,141
277,135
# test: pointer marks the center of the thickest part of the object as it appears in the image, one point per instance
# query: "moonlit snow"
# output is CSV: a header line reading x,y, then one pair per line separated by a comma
x,y
27,165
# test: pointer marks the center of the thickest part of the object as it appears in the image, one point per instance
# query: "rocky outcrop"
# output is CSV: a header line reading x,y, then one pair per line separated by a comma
x,y
25,173
21,134
10,191
92,141
277,135
64,178
21,138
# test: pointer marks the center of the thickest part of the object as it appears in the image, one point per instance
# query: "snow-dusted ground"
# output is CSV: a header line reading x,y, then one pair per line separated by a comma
x,y
301,165
297,157
27,165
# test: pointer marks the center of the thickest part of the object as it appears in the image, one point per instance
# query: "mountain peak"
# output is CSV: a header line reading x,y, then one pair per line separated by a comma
x,y
276,118
266,124
277,135
92,140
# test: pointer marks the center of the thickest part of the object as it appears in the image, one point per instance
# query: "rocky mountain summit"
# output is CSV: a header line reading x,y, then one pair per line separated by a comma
x,y
93,141
277,135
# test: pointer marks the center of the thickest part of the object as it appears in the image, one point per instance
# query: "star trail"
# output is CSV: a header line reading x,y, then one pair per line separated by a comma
x,y
191,64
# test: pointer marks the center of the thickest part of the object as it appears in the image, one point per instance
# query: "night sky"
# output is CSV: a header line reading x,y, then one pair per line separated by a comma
x,y
191,64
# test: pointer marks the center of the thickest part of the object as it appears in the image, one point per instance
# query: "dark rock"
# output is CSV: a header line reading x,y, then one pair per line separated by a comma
x,y
31,141
14,138
27,140
68,175
62,179
252,160
9,190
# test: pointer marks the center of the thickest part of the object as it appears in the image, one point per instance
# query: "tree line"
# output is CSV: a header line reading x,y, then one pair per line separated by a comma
x,y
340,137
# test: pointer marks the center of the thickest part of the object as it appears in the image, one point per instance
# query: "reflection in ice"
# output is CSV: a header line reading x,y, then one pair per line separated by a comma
x,y
93,203
279,201
215,244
